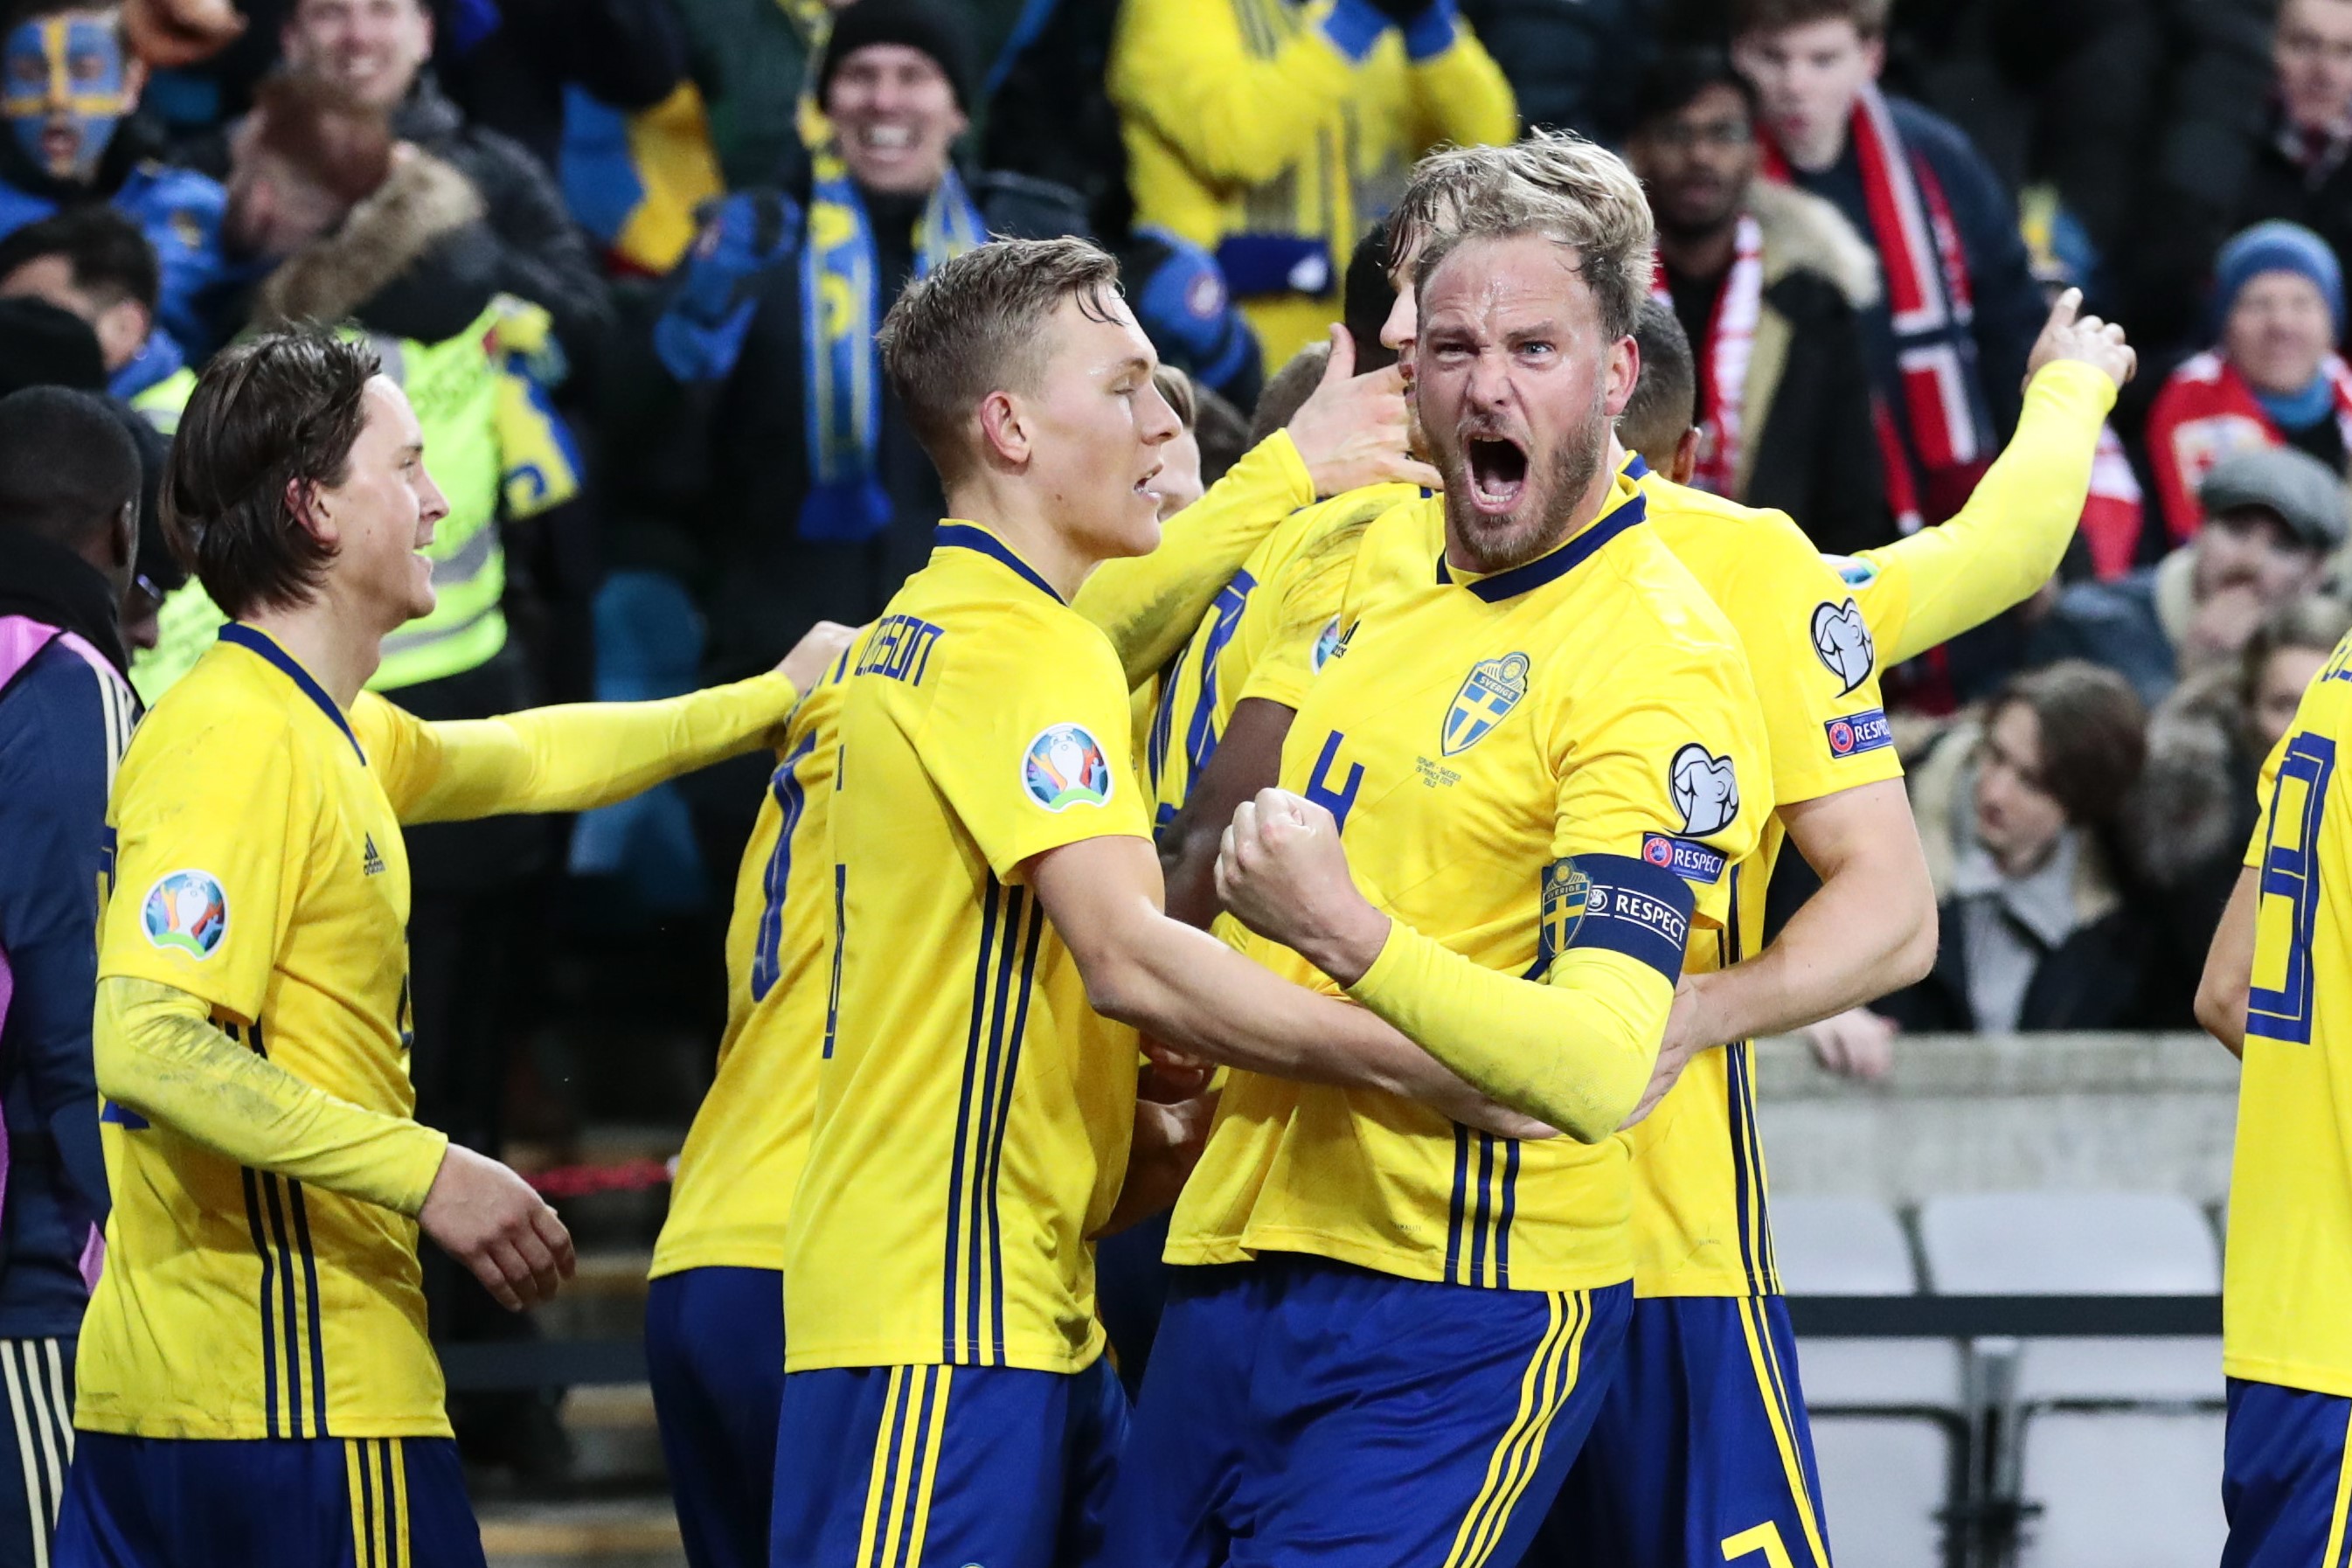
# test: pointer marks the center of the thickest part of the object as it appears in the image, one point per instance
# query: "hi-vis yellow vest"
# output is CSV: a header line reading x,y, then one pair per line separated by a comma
x,y
493,446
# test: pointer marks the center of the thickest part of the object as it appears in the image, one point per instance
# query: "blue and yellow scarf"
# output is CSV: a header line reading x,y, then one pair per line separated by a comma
x,y
840,302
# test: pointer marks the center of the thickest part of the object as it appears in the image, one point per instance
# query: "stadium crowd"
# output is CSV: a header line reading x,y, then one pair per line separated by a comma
x,y
628,261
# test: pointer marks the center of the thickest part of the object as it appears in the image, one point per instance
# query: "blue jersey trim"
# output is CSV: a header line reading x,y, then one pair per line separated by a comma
x,y
1518,580
1636,469
246,638
964,536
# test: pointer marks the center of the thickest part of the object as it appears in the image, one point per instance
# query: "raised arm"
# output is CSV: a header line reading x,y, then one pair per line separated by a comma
x,y
580,755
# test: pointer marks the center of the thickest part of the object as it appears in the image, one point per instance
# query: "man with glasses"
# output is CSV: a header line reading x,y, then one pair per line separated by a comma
x,y
1769,282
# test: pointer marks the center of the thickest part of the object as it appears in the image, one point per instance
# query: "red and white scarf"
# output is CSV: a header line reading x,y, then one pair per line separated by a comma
x,y
1928,299
2206,411
1724,358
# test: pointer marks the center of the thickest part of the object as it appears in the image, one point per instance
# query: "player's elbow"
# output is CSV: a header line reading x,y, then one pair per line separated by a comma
x,y
1916,955
2220,1008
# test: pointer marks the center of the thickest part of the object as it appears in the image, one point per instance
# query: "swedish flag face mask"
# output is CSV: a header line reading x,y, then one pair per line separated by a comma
x,y
68,86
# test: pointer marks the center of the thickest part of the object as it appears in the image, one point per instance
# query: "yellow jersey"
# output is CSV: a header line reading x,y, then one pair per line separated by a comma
x,y
2288,1270
742,1157
1592,705
1699,1206
261,867
972,1113
1267,632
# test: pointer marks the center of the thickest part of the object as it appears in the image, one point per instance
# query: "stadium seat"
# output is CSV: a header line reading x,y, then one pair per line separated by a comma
x,y
1888,1415
2112,1444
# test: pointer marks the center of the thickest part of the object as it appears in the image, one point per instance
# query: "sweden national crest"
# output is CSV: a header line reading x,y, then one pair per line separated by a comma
x,y
1566,892
1492,688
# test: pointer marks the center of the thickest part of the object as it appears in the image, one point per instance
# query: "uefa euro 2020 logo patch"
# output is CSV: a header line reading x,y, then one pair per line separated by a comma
x,y
1326,643
1065,766
1492,689
186,911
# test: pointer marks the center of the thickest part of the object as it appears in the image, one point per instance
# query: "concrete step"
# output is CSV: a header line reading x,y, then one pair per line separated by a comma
x,y
612,1533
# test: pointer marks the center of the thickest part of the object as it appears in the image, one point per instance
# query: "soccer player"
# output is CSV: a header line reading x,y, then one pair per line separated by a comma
x,y
1532,714
2273,992
255,1381
714,1328
996,906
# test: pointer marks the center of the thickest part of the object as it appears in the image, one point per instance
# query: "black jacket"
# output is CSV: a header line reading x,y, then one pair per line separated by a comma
x,y
1572,67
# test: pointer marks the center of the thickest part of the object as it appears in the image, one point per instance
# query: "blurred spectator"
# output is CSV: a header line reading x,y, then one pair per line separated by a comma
x,y
2274,378
1273,132
1571,68
1179,483
1222,431
2273,514
517,68
43,344
1769,282
2256,126
94,262
2196,808
1958,309
71,100
2017,818
754,405
376,52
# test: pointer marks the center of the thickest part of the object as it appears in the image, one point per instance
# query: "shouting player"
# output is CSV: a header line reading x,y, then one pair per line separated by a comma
x,y
996,905
256,1385
714,1315
1531,716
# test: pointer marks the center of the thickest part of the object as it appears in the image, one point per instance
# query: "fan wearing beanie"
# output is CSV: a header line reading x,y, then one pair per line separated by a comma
x,y
2273,377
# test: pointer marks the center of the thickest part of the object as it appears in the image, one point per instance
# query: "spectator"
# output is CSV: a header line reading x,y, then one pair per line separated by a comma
x,y
2017,818
94,262
2274,378
2274,515
1769,283
756,401
72,101
2258,127
1958,309
2195,809
1274,134
376,52
69,494
1179,483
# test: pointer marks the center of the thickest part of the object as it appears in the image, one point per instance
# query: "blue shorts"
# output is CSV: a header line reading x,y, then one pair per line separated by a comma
x,y
1303,1411
37,1376
1701,1453
938,1466
267,1503
2285,1483
715,1354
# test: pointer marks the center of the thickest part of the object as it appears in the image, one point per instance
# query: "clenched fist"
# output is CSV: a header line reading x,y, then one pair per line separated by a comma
x,y
1283,873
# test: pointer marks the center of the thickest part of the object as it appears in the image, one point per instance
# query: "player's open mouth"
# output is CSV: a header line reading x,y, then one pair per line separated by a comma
x,y
1143,485
1499,473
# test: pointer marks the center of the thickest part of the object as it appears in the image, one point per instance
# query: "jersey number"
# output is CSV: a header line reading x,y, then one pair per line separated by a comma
x,y
778,877
2290,872
1322,787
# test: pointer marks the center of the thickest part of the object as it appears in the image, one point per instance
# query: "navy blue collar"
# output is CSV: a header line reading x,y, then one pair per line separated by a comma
x,y
246,638
1636,467
965,536
1516,579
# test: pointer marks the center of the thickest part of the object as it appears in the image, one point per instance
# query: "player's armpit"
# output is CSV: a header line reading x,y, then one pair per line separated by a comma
x,y
2229,966
1248,759
1188,990
570,758
158,1054
1576,1052
1149,605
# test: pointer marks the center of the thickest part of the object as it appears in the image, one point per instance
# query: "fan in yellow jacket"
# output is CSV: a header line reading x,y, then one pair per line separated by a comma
x,y
1275,132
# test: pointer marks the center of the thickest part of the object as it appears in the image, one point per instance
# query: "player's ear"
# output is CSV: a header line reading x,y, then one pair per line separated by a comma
x,y
302,506
1686,462
1005,434
1624,373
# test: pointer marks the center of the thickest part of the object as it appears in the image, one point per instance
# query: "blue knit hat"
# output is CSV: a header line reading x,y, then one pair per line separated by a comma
x,y
2277,247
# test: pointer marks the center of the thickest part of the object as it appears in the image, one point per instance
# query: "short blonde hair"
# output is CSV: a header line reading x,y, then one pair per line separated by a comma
x,y
976,326
1560,187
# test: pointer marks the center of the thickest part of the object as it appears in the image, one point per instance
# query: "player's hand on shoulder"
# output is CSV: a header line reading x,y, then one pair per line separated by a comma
x,y
815,653
490,1220
2070,334
1357,430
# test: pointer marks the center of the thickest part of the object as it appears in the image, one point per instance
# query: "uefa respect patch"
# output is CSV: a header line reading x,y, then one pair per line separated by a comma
x,y
186,911
1065,766
1858,733
1691,862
